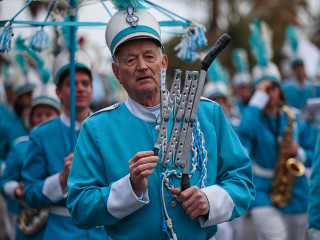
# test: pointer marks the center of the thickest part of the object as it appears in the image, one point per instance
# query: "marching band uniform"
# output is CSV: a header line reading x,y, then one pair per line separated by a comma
x,y
100,192
218,91
10,180
49,146
103,175
314,195
241,81
10,131
260,134
45,96
298,93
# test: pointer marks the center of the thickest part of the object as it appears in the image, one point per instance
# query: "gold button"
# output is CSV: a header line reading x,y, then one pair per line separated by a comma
x,y
158,128
173,204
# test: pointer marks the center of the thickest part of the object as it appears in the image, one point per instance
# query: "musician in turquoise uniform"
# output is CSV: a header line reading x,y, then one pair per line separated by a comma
x,y
45,105
115,178
241,80
18,125
299,87
262,133
314,195
47,164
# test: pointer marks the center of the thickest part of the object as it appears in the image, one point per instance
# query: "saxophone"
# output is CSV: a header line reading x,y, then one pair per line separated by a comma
x,y
286,170
31,220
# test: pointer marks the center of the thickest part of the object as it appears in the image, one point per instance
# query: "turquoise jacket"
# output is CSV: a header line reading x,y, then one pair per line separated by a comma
x,y
314,194
109,138
257,133
9,132
49,145
12,174
296,95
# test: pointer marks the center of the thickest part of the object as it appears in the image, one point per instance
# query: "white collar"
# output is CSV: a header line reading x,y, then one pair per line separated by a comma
x,y
66,121
148,114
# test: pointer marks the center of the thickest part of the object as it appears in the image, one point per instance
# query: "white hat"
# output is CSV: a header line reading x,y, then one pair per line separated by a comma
x,y
23,83
269,72
46,94
241,78
62,63
214,89
131,24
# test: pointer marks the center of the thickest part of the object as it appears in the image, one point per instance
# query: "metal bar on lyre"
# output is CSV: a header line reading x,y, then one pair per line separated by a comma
x,y
179,145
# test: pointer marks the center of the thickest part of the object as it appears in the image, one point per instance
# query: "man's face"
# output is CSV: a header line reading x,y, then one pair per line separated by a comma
x,y
83,91
139,63
299,72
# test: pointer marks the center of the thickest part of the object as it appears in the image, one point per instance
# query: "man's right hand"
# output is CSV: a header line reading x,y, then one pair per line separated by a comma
x,y
64,174
140,167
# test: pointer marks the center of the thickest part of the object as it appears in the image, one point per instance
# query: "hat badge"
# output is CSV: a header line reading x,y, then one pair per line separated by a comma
x,y
131,18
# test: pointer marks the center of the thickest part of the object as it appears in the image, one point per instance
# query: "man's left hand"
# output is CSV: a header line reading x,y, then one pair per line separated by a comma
x,y
194,201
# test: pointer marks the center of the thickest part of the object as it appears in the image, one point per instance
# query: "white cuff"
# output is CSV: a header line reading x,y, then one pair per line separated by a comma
x,y
122,200
9,189
259,99
314,234
221,206
301,156
52,189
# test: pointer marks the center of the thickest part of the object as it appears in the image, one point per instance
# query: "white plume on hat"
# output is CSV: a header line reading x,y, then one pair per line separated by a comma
x,y
131,23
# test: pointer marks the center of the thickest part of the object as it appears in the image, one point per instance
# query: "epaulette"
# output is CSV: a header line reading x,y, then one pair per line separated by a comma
x,y
112,107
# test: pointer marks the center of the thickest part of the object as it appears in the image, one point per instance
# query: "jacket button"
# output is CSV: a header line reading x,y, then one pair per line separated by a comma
x,y
173,204
158,128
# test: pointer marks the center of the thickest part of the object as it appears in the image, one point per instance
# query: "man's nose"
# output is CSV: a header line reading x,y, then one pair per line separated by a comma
x,y
142,63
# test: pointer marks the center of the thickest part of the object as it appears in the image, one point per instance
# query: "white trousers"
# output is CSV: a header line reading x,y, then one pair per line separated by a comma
x,y
271,224
230,230
9,219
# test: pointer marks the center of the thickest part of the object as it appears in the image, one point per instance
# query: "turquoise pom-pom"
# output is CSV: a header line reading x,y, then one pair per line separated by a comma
x,y
124,4
5,38
40,41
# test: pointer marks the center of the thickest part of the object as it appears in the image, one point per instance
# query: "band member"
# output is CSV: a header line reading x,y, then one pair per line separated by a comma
x,y
45,105
218,91
115,178
15,126
269,136
241,81
313,204
46,167
299,88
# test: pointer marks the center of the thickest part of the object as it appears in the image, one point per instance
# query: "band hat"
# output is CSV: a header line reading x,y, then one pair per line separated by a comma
x,y
215,89
46,94
23,83
126,25
241,79
269,72
62,63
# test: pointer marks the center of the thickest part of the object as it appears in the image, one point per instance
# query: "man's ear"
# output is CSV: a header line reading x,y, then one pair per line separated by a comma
x,y
164,61
58,92
115,70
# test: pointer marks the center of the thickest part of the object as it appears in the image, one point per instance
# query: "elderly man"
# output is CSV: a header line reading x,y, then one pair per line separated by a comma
x,y
116,181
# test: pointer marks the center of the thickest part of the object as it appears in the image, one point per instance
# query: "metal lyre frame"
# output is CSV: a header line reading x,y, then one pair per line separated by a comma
x,y
185,107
